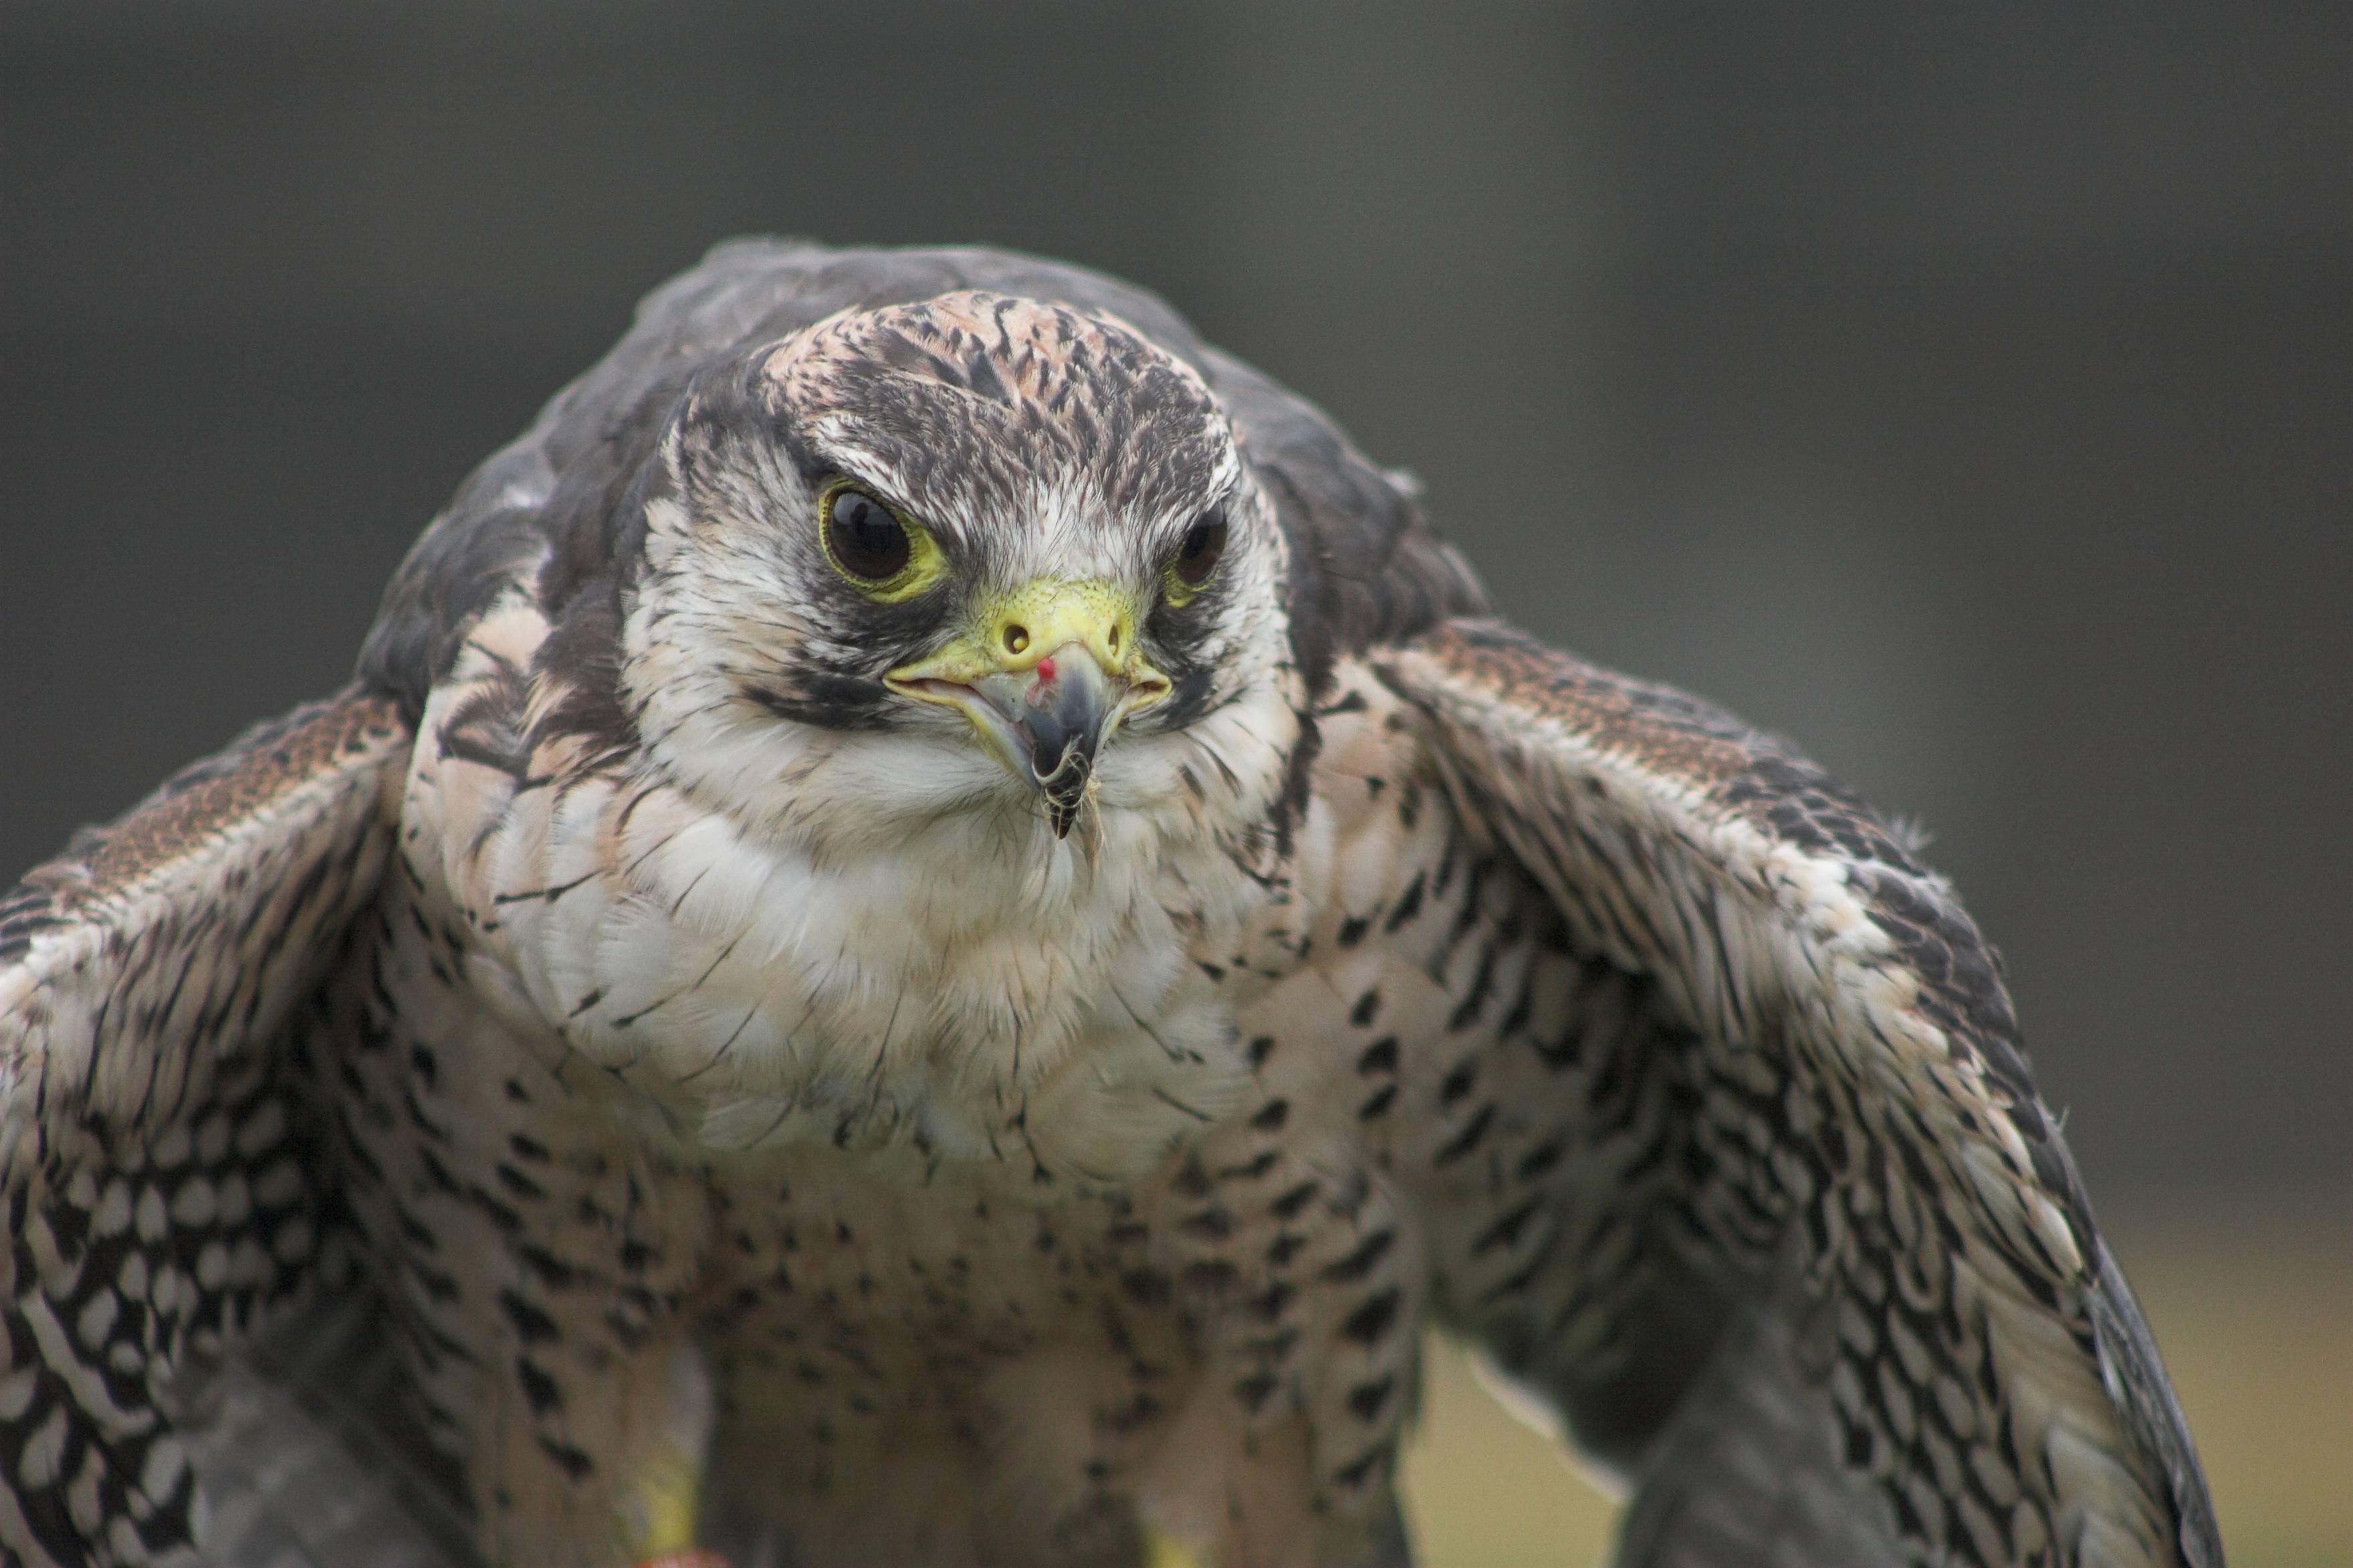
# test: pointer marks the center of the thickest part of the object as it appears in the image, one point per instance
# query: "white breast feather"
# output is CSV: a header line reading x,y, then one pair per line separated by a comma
x,y
958,984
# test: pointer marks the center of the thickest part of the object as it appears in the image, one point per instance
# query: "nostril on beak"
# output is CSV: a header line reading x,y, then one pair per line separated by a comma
x,y
1017,638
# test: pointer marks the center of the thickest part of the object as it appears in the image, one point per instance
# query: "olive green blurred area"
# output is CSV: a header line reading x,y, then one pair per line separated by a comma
x,y
1962,390
2254,1305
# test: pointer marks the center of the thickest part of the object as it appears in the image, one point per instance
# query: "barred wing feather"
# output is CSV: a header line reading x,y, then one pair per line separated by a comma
x,y
1839,1296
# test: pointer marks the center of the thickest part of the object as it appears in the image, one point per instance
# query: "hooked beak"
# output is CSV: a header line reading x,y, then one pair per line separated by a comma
x,y
1045,677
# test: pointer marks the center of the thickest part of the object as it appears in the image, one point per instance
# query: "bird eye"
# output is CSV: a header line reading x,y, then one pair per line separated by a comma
x,y
1197,554
865,538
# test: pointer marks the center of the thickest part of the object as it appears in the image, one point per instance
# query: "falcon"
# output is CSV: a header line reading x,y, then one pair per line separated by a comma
x,y
938,925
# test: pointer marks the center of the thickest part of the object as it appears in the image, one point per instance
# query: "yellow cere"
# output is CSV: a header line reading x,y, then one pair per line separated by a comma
x,y
1013,631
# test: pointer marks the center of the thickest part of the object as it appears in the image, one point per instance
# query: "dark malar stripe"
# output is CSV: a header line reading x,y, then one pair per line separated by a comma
x,y
825,701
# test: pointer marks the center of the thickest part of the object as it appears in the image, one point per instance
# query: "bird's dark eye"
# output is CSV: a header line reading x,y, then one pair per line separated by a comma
x,y
864,537
1197,555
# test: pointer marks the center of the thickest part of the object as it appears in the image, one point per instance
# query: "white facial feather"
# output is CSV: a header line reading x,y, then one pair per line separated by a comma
x,y
774,932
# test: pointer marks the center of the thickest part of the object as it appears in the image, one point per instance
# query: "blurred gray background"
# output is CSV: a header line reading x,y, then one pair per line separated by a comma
x,y
1967,395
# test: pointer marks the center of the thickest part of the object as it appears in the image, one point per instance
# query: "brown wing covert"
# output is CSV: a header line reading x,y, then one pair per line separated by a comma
x,y
153,1149
1838,1295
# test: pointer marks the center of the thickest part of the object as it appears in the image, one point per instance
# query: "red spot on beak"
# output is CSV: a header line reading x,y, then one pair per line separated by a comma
x,y
1046,669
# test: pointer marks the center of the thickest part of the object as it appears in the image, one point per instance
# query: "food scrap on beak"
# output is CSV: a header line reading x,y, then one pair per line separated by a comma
x,y
1060,710
1045,677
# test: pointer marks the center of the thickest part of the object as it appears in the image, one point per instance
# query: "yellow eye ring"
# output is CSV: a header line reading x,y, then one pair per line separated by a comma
x,y
1196,561
876,548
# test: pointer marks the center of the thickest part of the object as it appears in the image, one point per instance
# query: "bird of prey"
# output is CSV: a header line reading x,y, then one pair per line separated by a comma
x,y
938,922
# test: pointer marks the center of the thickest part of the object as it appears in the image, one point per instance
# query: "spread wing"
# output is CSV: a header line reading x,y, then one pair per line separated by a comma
x,y
1777,1222
154,1149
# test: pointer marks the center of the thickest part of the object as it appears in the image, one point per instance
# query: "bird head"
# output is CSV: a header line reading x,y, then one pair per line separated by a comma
x,y
970,553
